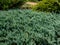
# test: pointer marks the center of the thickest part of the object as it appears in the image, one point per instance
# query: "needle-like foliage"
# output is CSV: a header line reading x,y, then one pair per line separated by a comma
x,y
25,27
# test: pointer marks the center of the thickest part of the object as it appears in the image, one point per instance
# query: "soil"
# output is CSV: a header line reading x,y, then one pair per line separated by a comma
x,y
31,3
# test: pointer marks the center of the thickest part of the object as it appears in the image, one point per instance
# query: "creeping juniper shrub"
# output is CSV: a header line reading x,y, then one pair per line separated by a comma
x,y
25,27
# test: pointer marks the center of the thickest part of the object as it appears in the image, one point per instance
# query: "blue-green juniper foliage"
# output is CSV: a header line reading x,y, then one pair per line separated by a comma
x,y
25,27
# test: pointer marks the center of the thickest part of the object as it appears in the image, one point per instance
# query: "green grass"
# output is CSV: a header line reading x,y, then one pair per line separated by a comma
x,y
25,27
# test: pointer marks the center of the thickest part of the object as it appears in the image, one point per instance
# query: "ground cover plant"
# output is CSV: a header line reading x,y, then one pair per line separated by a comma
x,y
25,27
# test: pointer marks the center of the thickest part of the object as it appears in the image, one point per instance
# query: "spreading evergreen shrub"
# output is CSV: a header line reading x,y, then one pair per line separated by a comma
x,y
25,27
48,6
5,4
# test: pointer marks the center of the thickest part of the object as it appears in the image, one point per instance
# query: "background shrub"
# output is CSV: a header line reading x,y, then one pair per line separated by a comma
x,y
5,4
47,5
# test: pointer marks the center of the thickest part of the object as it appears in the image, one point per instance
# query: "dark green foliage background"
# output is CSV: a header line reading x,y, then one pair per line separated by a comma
x,y
48,6
7,4
25,27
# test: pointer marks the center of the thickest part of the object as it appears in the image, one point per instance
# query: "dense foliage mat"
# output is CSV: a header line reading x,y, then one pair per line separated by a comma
x,y
25,27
